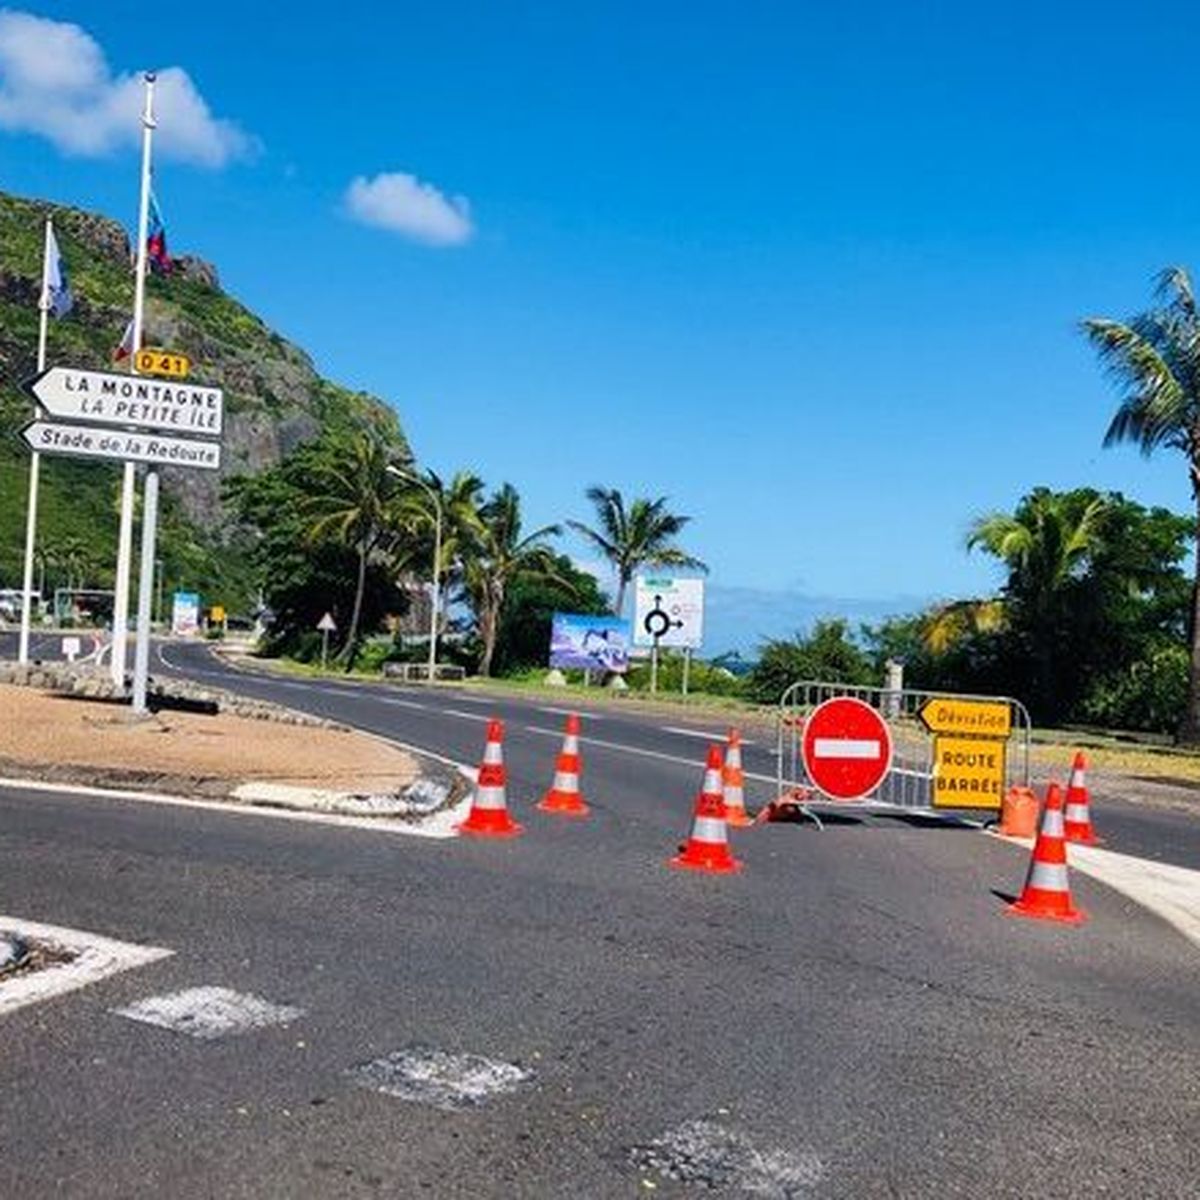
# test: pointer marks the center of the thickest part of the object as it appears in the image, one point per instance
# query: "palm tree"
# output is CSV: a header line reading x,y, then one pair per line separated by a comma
x,y
494,556
1154,359
1047,543
640,536
352,502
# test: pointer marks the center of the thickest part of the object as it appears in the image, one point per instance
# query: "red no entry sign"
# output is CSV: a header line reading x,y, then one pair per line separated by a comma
x,y
847,748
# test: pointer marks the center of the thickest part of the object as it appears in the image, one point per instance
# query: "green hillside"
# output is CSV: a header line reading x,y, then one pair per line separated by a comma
x,y
275,400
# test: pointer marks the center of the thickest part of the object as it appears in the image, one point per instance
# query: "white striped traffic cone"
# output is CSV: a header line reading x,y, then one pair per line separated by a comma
x,y
708,847
1047,891
489,808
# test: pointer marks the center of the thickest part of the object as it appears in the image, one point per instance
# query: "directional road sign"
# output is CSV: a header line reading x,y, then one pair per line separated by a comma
x,y
130,400
847,748
967,718
668,611
83,441
327,624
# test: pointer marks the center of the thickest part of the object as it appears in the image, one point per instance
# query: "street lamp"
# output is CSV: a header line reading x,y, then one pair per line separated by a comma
x,y
409,477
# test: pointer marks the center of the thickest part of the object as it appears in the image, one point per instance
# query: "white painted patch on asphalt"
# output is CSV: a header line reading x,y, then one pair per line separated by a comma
x,y
715,1156
94,958
701,733
208,1013
450,1082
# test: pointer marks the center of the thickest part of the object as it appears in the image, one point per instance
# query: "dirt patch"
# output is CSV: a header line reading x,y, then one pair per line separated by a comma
x,y
77,741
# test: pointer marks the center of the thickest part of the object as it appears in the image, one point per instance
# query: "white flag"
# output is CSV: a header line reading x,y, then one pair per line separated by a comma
x,y
58,285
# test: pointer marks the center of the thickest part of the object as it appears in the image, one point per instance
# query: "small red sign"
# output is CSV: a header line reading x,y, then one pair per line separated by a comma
x,y
847,748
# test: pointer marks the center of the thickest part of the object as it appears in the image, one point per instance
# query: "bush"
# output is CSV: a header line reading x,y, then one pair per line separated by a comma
x,y
1148,695
827,654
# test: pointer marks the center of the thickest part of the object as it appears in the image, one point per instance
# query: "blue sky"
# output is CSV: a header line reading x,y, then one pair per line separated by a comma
x,y
813,274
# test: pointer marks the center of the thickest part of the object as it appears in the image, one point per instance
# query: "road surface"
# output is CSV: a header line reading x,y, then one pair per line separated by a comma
x,y
852,1015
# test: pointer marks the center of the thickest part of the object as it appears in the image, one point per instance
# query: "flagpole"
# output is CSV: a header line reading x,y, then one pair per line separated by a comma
x,y
36,461
129,482
141,662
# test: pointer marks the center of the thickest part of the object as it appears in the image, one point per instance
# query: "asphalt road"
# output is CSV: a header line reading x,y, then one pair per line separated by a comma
x,y
853,1015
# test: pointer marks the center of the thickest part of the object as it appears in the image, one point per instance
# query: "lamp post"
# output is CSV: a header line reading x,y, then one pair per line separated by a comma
x,y
409,477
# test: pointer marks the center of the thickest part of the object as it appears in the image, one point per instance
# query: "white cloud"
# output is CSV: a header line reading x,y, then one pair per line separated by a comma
x,y
404,204
56,82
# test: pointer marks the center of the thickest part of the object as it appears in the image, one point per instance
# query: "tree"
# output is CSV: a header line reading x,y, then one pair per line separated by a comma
x,y
302,576
529,608
494,557
634,537
353,501
1154,359
827,654
1046,544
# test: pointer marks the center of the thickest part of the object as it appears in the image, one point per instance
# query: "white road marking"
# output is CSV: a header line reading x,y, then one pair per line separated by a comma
x,y
847,748
457,712
570,712
485,700
1169,891
95,958
404,703
440,826
446,1081
701,733
695,764
208,1013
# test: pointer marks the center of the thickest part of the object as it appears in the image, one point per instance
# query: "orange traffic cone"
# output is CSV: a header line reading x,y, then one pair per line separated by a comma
x,y
1077,821
708,847
564,796
489,812
733,783
1047,891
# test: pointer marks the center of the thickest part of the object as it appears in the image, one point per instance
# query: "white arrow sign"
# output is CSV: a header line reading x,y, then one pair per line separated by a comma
x,y
130,400
85,442
327,624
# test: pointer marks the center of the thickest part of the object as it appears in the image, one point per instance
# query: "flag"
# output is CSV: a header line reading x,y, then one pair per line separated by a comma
x,y
125,349
156,241
58,298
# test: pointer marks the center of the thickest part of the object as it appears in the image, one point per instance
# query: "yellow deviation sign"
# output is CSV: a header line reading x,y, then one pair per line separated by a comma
x,y
162,362
967,718
968,772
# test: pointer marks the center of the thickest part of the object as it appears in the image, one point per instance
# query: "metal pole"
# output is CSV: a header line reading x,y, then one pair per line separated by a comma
x,y
654,667
129,480
149,509
141,660
324,648
687,662
35,462
435,596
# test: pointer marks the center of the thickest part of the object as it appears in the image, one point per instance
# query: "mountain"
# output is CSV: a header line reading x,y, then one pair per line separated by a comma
x,y
274,398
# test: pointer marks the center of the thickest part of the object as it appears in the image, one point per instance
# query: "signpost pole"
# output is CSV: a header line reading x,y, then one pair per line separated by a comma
x,y
150,499
141,660
34,462
654,666
324,648
129,481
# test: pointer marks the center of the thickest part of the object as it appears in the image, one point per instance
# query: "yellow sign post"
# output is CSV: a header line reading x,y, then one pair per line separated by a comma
x,y
151,361
967,718
968,772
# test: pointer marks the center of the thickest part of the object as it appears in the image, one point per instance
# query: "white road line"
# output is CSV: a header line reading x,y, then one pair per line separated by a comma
x,y
457,712
570,712
700,733
486,700
404,703
95,958
440,825
695,763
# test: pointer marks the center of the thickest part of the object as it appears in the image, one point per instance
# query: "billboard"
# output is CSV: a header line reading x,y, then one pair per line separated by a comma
x,y
185,613
669,609
589,643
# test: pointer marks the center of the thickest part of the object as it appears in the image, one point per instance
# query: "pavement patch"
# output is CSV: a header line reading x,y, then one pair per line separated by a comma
x,y
714,1156
67,959
208,1013
450,1082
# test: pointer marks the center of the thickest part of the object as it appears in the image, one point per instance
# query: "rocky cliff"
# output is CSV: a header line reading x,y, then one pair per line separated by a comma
x,y
275,398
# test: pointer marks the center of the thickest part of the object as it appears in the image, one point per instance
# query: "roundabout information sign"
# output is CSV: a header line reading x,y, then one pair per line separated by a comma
x,y
847,748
